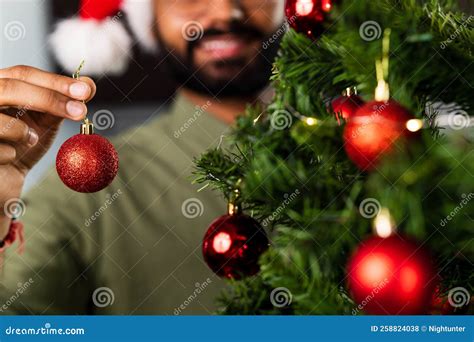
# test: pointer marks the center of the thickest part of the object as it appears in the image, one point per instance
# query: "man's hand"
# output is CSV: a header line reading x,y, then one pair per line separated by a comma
x,y
33,104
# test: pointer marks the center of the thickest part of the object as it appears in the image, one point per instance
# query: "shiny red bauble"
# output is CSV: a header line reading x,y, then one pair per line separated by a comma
x,y
391,276
87,163
373,130
308,16
233,244
346,106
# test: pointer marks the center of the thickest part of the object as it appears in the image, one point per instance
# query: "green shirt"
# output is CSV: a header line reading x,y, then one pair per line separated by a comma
x,y
132,248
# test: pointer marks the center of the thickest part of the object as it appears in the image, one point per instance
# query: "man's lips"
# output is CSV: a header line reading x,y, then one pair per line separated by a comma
x,y
223,46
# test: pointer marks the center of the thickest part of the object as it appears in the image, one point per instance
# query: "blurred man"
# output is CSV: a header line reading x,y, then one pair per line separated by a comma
x,y
135,247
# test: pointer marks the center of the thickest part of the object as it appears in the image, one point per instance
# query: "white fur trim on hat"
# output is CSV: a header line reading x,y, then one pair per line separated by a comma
x,y
140,17
105,45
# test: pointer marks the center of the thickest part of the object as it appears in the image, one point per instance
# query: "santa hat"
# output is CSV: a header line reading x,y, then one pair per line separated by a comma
x,y
99,37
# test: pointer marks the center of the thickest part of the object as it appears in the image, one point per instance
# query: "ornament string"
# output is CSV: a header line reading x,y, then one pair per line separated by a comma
x,y
87,127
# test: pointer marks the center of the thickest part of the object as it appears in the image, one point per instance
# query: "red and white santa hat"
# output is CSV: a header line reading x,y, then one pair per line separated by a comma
x,y
99,37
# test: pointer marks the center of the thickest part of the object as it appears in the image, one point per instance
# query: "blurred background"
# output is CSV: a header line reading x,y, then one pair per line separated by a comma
x,y
144,86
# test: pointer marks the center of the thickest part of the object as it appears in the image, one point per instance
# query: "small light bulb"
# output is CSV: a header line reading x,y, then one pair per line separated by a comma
x,y
311,121
414,125
383,223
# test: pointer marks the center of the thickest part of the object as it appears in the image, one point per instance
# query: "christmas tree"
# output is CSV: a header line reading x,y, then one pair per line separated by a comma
x,y
366,201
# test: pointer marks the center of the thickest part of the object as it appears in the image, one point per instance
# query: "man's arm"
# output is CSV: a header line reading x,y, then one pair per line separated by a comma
x,y
52,275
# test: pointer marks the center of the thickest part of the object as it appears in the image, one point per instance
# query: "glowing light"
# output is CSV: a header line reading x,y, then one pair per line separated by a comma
x,y
311,121
304,7
383,223
414,125
222,242
374,269
327,5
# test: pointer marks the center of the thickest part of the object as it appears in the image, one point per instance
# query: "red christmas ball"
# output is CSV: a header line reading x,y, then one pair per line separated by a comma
x,y
391,276
87,163
346,106
372,131
233,244
308,16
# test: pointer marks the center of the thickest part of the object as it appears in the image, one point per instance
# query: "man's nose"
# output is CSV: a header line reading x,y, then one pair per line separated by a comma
x,y
224,11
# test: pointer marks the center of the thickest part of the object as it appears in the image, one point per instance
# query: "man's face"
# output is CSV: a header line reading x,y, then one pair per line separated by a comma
x,y
216,46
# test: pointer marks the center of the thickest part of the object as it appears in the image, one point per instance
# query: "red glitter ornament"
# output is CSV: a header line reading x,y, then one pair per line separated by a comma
x,y
308,16
233,244
87,162
346,105
372,131
391,276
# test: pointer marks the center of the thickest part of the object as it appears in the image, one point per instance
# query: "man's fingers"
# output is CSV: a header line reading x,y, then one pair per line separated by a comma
x,y
31,97
82,89
14,130
7,154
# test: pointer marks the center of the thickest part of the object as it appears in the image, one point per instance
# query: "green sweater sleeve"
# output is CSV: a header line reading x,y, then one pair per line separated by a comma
x,y
51,276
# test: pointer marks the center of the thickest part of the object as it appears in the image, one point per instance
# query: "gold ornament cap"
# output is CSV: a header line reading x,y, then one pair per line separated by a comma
x,y
233,207
87,127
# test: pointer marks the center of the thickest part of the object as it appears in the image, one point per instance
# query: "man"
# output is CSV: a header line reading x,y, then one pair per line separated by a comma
x,y
135,247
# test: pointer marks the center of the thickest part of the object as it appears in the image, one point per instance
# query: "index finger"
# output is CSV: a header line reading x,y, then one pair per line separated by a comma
x,y
82,89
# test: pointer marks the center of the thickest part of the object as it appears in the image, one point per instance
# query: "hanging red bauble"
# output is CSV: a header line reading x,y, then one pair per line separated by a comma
x,y
392,276
346,105
233,244
308,16
87,162
372,131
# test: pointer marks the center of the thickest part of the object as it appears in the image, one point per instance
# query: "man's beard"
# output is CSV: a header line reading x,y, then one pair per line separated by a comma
x,y
253,76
